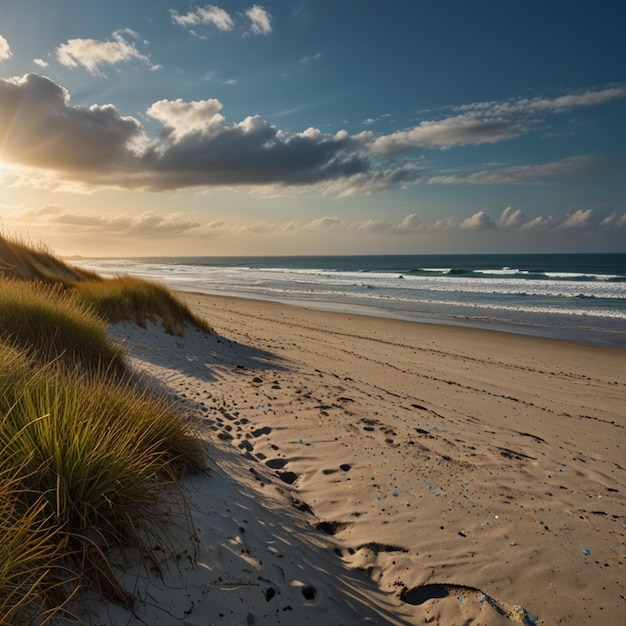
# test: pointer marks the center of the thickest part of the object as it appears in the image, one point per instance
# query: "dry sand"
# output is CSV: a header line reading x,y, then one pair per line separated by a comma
x,y
367,470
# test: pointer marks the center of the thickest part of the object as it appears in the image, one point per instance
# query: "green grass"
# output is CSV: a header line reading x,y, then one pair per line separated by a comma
x,y
25,261
132,299
30,549
92,463
44,321
114,300
90,458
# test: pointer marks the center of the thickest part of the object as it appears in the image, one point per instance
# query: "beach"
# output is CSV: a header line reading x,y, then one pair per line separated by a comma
x,y
372,470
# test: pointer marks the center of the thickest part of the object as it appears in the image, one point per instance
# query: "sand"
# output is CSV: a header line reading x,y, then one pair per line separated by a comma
x,y
366,470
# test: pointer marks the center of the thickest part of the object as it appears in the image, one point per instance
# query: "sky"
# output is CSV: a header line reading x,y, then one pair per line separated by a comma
x,y
171,128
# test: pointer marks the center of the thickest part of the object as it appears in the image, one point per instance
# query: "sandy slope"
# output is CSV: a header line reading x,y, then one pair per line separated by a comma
x,y
375,471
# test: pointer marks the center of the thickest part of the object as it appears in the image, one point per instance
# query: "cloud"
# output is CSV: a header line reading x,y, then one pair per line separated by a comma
x,y
260,20
541,223
460,130
197,146
40,62
92,54
478,221
251,152
579,220
5,50
558,104
372,182
187,118
148,224
208,15
411,223
42,130
511,219
615,220
488,122
323,223
564,168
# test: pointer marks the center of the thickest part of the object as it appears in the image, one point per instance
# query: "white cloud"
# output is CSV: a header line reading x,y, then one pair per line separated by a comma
x,y
558,104
148,224
581,219
323,223
5,49
376,226
411,223
478,221
572,166
92,54
511,218
187,118
178,224
541,223
208,15
40,62
459,130
446,224
488,122
615,220
371,182
260,20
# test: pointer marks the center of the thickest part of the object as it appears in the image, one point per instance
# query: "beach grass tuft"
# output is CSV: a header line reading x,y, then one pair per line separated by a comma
x,y
91,465
91,457
126,298
26,261
43,320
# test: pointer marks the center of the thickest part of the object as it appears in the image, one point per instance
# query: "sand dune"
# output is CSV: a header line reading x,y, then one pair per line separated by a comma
x,y
376,471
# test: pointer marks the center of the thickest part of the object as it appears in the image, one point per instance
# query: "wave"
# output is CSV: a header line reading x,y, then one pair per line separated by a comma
x,y
514,273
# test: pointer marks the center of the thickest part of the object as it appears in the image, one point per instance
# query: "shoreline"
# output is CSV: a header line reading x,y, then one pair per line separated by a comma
x,y
594,337
574,300
371,470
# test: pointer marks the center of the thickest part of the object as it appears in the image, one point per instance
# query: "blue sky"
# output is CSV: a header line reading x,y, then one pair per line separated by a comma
x,y
313,127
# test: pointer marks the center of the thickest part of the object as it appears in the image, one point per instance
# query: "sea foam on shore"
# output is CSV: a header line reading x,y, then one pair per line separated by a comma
x,y
577,297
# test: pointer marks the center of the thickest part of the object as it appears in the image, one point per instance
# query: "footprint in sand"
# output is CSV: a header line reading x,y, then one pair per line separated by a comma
x,y
265,430
438,591
331,528
276,463
288,477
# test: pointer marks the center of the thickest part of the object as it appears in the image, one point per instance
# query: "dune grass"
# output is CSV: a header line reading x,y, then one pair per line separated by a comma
x,y
90,457
24,261
41,319
126,298
114,299
96,458
29,551
87,464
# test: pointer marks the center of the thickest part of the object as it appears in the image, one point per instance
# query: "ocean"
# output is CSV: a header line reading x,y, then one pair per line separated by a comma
x,y
579,297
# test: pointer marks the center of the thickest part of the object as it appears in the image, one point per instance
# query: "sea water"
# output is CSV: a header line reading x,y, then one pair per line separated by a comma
x,y
581,297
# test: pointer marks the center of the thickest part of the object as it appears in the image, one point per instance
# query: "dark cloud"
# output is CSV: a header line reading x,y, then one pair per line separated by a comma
x,y
39,128
197,147
251,153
